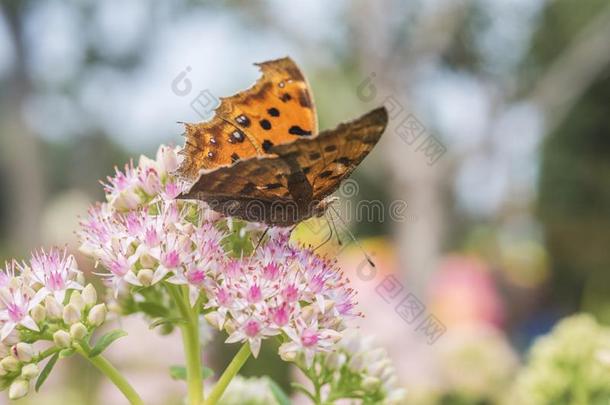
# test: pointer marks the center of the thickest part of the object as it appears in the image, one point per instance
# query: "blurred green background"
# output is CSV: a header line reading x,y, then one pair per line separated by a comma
x,y
507,232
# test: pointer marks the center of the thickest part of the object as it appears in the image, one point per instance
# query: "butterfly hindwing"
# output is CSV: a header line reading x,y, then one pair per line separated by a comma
x,y
277,109
333,155
262,178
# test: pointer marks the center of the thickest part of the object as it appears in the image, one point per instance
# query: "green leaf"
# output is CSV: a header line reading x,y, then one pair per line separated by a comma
x,y
46,371
207,373
66,353
278,393
164,321
153,309
106,341
179,372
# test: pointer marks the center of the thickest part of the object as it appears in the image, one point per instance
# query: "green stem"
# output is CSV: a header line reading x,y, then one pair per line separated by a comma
x,y
232,369
114,375
190,340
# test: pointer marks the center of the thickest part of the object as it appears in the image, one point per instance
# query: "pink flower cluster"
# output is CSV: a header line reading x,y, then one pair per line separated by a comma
x,y
24,286
140,184
166,240
282,289
143,237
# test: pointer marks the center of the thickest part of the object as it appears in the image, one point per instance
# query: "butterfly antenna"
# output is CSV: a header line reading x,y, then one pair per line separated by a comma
x,y
330,235
260,240
331,220
351,235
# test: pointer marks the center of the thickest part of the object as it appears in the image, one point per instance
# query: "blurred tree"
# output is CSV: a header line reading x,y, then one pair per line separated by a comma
x,y
574,197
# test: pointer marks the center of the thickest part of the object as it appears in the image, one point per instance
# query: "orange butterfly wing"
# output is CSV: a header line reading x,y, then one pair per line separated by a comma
x,y
263,183
277,109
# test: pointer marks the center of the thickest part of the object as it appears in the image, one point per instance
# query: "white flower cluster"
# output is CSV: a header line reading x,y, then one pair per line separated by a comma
x,y
42,302
356,369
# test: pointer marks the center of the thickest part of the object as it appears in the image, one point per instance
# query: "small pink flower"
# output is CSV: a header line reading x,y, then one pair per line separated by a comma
x,y
254,294
252,328
57,273
280,315
17,299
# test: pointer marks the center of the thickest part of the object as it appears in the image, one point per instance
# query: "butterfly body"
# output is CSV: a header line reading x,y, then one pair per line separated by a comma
x,y
285,170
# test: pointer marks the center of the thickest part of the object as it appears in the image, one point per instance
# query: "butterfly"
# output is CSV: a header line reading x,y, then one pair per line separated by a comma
x,y
260,158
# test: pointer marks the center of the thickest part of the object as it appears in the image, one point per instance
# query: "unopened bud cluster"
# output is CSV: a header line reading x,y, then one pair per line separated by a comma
x,y
358,367
43,302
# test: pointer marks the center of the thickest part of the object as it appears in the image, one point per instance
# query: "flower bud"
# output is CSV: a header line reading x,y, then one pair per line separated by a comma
x,y
71,314
335,360
12,338
370,384
287,353
54,308
19,389
30,371
23,351
214,319
9,363
391,381
62,339
308,313
229,326
377,368
328,305
38,314
4,351
333,335
97,315
77,300
356,364
167,157
89,295
80,278
387,373
145,276
147,260
377,354
78,331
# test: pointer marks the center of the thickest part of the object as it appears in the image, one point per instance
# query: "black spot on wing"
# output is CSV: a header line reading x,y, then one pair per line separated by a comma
x,y
314,156
243,121
325,174
304,99
345,161
265,124
267,144
234,157
297,130
285,97
274,112
237,137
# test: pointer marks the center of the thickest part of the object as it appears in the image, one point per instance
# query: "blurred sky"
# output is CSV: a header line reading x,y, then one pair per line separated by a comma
x,y
132,101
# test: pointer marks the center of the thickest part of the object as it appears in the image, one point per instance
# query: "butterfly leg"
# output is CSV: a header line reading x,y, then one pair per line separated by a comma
x,y
260,240
328,238
366,255
329,219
